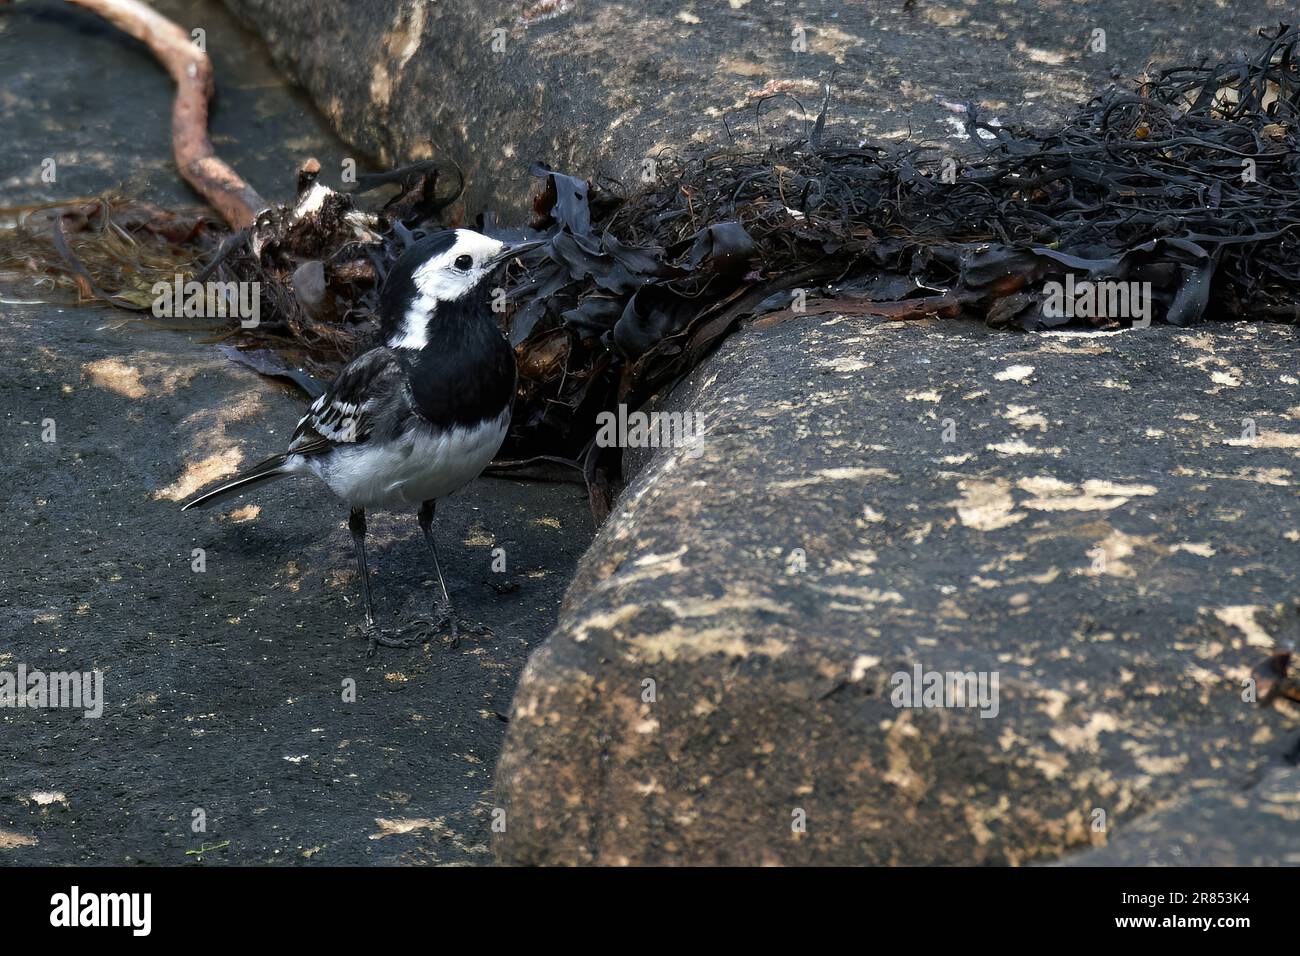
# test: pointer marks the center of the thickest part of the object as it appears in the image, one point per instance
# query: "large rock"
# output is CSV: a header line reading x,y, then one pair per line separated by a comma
x,y
598,87
1100,530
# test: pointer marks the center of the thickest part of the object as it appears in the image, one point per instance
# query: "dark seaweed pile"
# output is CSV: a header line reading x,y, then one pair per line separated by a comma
x,y
1188,180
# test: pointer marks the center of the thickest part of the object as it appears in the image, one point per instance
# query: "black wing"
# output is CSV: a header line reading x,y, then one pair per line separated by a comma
x,y
349,410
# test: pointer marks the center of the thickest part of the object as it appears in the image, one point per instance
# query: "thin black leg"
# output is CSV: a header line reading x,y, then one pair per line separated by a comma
x,y
446,613
426,525
357,525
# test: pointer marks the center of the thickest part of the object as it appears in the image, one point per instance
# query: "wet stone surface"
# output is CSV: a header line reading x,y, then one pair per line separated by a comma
x,y
596,88
1086,516
223,690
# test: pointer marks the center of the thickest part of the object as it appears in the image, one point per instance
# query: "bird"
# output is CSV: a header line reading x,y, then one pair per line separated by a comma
x,y
418,417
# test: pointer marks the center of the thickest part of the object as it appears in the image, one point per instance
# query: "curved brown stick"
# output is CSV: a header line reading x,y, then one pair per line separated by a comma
x,y
191,69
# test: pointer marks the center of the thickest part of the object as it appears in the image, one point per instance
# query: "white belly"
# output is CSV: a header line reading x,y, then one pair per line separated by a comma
x,y
416,468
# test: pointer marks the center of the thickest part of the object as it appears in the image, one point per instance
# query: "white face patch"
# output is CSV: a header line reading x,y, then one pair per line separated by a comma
x,y
449,275
445,278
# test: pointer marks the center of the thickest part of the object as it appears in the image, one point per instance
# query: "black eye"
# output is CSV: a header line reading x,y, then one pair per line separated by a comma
x,y
463,263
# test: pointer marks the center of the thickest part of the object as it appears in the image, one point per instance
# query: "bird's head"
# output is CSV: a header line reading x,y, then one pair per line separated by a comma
x,y
447,275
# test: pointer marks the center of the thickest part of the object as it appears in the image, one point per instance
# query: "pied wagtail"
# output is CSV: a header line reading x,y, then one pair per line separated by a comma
x,y
419,417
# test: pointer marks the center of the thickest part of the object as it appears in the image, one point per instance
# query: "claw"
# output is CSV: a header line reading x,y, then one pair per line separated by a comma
x,y
378,637
423,628
445,617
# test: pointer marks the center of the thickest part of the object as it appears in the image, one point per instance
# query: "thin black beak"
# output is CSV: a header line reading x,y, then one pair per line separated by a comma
x,y
515,249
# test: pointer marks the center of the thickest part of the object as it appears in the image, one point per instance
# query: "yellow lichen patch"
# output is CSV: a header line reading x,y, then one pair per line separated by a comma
x,y
854,474
1262,476
292,577
245,514
400,44
1158,766
209,433
1023,416
1198,548
198,474
861,664
986,505
685,643
833,474
11,841
480,537
1018,446
898,769
380,87
833,42
853,562
604,621
1267,439
1242,617
1045,486
650,566
738,67
944,16
1038,55
392,827
1086,737
871,596
1109,555
711,607
1051,494
1014,373
672,559
46,798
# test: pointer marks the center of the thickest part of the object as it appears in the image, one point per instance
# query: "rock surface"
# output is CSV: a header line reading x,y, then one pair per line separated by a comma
x,y
1215,827
1099,528
598,87
224,689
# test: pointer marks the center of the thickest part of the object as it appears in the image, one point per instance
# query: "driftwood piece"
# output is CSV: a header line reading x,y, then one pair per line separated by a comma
x,y
191,70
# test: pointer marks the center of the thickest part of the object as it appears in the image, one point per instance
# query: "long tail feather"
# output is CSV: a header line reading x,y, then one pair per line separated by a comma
x,y
272,467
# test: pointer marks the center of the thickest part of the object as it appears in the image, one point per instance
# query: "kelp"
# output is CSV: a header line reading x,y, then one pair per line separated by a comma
x,y
1188,183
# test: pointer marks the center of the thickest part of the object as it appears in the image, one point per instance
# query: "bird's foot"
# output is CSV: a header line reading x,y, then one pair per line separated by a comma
x,y
445,618
378,638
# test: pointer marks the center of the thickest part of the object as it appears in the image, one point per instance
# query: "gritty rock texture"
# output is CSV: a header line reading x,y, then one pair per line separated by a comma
x,y
1216,827
597,87
227,685
1109,522
224,688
